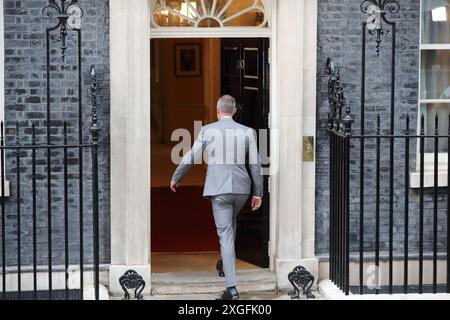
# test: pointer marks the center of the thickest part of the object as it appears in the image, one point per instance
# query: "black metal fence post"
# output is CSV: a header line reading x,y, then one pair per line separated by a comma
x,y
377,205
448,208
340,128
362,158
435,200
332,223
68,14
2,164
406,217
34,208
66,214
18,213
95,130
392,153
398,215
421,196
347,122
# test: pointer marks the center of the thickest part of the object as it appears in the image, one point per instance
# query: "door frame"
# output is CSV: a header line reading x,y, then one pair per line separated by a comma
x,y
293,115
244,34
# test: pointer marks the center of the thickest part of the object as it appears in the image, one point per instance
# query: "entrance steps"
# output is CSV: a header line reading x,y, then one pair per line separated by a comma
x,y
185,283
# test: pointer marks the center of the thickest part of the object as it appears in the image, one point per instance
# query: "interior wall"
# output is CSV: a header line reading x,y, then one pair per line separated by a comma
x,y
179,101
183,97
176,103
212,81
156,87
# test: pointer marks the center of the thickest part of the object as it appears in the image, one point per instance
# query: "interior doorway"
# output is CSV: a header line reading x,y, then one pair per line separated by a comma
x,y
188,76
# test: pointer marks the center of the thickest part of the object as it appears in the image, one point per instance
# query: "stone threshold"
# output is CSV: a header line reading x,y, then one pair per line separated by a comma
x,y
188,283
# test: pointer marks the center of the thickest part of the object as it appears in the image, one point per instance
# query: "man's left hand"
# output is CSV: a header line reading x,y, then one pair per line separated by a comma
x,y
256,203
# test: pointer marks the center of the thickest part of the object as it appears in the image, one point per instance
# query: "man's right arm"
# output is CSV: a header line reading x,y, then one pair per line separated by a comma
x,y
190,159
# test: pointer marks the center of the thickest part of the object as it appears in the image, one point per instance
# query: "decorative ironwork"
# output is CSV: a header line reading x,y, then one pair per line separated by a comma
x,y
377,10
69,16
300,278
203,13
339,118
132,280
95,130
68,27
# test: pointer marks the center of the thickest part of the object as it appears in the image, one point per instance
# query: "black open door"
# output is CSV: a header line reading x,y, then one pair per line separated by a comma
x,y
245,76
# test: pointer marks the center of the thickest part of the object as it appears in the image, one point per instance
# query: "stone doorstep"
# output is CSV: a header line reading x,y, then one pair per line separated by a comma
x,y
247,296
244,296
210,282
330,291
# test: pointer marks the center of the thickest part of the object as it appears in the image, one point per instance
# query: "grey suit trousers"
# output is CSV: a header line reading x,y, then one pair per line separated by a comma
x,y
226,207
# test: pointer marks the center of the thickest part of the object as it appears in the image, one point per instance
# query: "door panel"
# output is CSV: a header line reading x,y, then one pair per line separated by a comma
x,y
245,76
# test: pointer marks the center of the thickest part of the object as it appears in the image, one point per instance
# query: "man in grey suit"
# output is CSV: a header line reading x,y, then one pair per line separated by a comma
x,y
228,148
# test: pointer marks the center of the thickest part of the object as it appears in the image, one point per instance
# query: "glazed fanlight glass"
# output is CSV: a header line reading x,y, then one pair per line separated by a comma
x,y
208,13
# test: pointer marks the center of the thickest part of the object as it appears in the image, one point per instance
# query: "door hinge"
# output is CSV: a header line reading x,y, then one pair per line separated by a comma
x,y
269,56
268,120
269,249
268,185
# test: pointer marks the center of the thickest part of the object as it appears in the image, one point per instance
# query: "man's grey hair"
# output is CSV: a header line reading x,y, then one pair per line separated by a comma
x,y
226,104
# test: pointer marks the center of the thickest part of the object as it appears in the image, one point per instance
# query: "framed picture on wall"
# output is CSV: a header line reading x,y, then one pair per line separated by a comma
x,y
188,60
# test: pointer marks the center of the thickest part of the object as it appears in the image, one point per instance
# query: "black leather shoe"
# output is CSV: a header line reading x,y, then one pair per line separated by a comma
x,y
229,294
219,267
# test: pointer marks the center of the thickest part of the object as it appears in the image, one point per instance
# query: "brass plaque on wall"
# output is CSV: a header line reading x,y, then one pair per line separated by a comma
x,y
308,149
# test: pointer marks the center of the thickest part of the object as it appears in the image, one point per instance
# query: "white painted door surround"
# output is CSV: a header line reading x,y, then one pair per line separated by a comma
x,y
293,109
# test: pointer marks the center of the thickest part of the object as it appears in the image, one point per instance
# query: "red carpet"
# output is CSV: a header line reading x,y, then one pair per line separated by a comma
x,y
182,221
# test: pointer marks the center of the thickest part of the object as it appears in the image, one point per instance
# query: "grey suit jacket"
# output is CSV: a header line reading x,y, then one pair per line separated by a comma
x,y
226,147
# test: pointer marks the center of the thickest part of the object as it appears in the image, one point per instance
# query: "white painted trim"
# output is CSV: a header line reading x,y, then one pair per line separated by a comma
x,y
329,291
273,120
398,271
429,171
428,179
436,46
2,66
130,137
430,101
245,32
419,82
226,32
293,112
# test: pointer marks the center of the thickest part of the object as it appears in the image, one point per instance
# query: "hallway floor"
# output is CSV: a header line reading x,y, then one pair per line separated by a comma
x,y
191,262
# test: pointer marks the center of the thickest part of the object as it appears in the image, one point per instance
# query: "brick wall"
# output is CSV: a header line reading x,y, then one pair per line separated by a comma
x,y
339,37
25,102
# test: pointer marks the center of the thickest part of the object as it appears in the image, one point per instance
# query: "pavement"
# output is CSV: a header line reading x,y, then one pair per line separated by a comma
x,y
266,295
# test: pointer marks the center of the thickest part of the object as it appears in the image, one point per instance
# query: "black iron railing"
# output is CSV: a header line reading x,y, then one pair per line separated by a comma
x,y
392,204
385,236
28,159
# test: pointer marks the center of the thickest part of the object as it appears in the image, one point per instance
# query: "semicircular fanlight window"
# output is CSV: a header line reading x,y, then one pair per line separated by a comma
x,y
208,13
